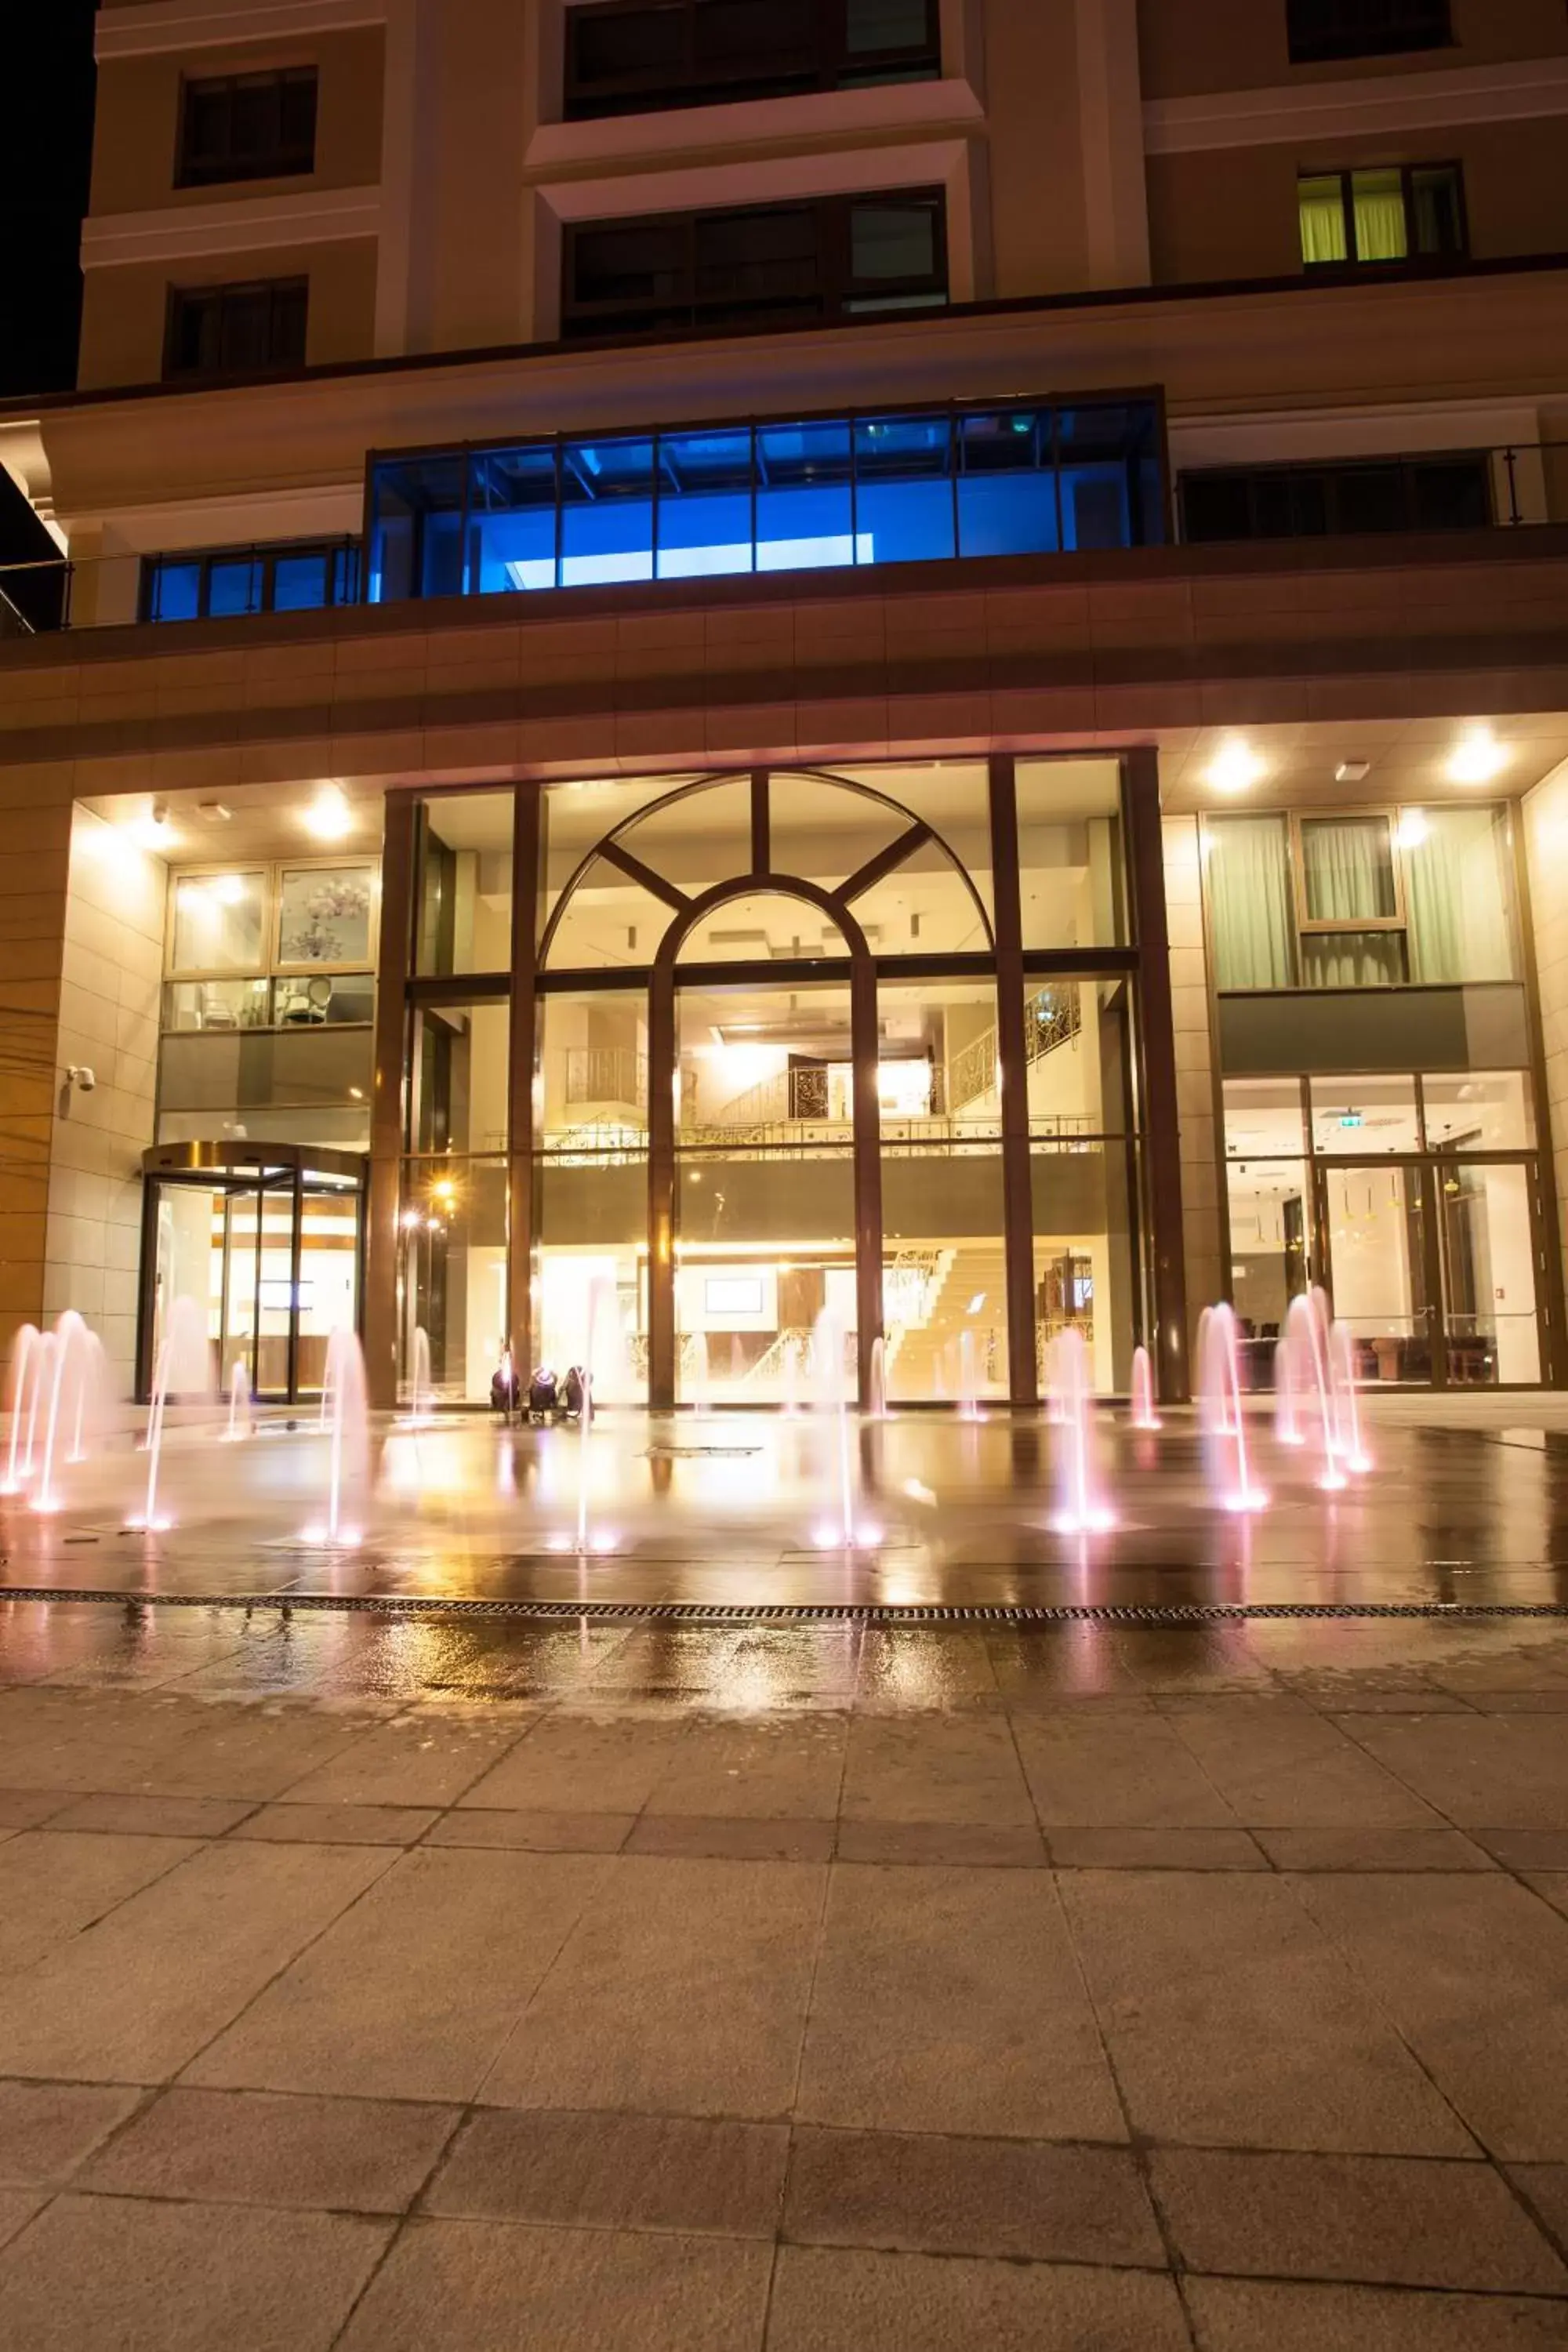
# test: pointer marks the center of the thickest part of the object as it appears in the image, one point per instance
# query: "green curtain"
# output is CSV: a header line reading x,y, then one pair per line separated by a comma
x,y
1320,202
1348,868
1249,876
1352,959
1378,199
1456,888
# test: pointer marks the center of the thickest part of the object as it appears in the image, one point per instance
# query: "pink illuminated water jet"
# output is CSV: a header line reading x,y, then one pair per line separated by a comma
x,y
1143,1414
1221,1416
1084,1508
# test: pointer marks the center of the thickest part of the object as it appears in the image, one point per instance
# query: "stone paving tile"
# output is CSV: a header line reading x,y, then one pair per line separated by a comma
x,y
1233,2019
1373,1849
451,2286
178,1817
25,1809
1528,1849
1241,2314
338,1824
926,2193
615,2171
236,1752
52,1885
427,1759
109,2274
962,1844
1482,1772
733,1837
47,2129
135,1997
1172,1659
950,2000
765,1767
1471,1970
830,2301
914,1668
1545,2186
948,1767
576,1763
532,1832
1278,1765
1382,2220
1163,1849
18,2207
1552,1886
681,1989
253,2148
1116,1773
413,1990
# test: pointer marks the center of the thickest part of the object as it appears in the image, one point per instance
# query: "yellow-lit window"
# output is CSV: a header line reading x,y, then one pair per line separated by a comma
x,y
1322,208
1377,201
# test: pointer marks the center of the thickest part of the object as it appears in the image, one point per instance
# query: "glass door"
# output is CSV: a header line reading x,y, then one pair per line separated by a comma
x,y
1380,1252
1489,1217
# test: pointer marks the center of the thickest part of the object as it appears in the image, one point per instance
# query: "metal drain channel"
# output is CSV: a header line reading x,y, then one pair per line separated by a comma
x,y
721,1613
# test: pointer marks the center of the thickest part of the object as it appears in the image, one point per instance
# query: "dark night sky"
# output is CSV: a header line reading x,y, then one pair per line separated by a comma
x,y
46,154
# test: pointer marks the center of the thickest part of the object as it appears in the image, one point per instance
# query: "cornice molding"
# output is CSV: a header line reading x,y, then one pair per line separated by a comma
x,y
1522,90
239,225
152,30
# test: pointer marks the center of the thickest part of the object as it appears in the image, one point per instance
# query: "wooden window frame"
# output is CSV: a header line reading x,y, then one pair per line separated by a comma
x,y
1317,926
825,63
223,292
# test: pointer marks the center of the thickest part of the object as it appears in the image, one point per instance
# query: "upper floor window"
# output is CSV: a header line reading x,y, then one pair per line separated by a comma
x,y
1321,30
1376,218
235,330
628,56
231,581
1448,492
255,126
764,265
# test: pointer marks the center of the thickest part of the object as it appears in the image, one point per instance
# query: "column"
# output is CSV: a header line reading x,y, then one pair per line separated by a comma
x,y
527,840
393,962
1163,1154
1017,1199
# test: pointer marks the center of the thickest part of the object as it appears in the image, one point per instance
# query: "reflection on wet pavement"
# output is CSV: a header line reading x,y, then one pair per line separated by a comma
x,y
727,1510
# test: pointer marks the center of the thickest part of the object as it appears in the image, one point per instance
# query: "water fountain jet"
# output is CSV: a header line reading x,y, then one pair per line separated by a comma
x,y
1084,1509
1143,1414
1306,1336
182,1367
23,1374
240,1420
1223,1420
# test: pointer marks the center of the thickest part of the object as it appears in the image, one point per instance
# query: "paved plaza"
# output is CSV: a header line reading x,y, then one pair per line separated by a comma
x,y
841,1986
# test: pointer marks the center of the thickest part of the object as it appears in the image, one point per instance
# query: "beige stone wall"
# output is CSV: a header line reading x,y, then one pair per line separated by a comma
x,y
1193,47
1545,817
1194,1067
34,858
111,976
125,308
1232,212
136,142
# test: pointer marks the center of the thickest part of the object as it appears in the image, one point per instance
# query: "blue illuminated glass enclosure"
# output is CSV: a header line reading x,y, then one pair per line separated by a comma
x,y
914,486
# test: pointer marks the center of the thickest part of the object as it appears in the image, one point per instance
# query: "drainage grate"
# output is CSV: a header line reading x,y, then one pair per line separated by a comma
x,y
787,1612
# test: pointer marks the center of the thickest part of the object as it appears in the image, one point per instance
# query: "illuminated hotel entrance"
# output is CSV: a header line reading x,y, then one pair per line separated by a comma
x,y
867,1041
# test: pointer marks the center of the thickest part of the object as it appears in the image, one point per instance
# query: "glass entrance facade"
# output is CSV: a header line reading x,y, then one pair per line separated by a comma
x,y
699,1059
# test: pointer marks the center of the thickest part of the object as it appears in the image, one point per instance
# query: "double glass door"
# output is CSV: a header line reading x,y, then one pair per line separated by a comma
x,y
1434,1265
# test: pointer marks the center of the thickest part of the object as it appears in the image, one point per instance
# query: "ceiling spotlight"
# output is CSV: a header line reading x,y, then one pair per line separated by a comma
x,y
154,830
214,812
1477,759
328,816
1236,766
1352,772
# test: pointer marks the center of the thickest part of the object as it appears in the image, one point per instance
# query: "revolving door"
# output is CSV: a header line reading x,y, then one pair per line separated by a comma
x,y
268,1240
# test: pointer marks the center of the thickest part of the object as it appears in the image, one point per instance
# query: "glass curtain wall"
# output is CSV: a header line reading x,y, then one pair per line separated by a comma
x,y
822,1127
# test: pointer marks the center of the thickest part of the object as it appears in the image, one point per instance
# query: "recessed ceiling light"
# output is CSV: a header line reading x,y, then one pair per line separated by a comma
x,y
1478,758
1234,766
1352,772
328,816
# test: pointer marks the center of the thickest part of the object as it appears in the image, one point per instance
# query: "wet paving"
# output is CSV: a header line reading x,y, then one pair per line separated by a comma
x,y
1465,1504
373,1981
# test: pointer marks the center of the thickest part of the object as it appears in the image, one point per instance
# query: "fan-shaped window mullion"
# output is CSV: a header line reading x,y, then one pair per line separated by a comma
x,y
887,861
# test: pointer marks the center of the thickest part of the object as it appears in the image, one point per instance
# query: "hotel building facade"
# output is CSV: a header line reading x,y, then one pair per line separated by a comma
x,y
714,659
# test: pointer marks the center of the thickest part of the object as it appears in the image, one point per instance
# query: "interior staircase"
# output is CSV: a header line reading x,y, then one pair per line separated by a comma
x,y
922,1351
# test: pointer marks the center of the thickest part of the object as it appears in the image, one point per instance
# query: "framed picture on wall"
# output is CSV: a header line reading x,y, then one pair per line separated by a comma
x,y
326,916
